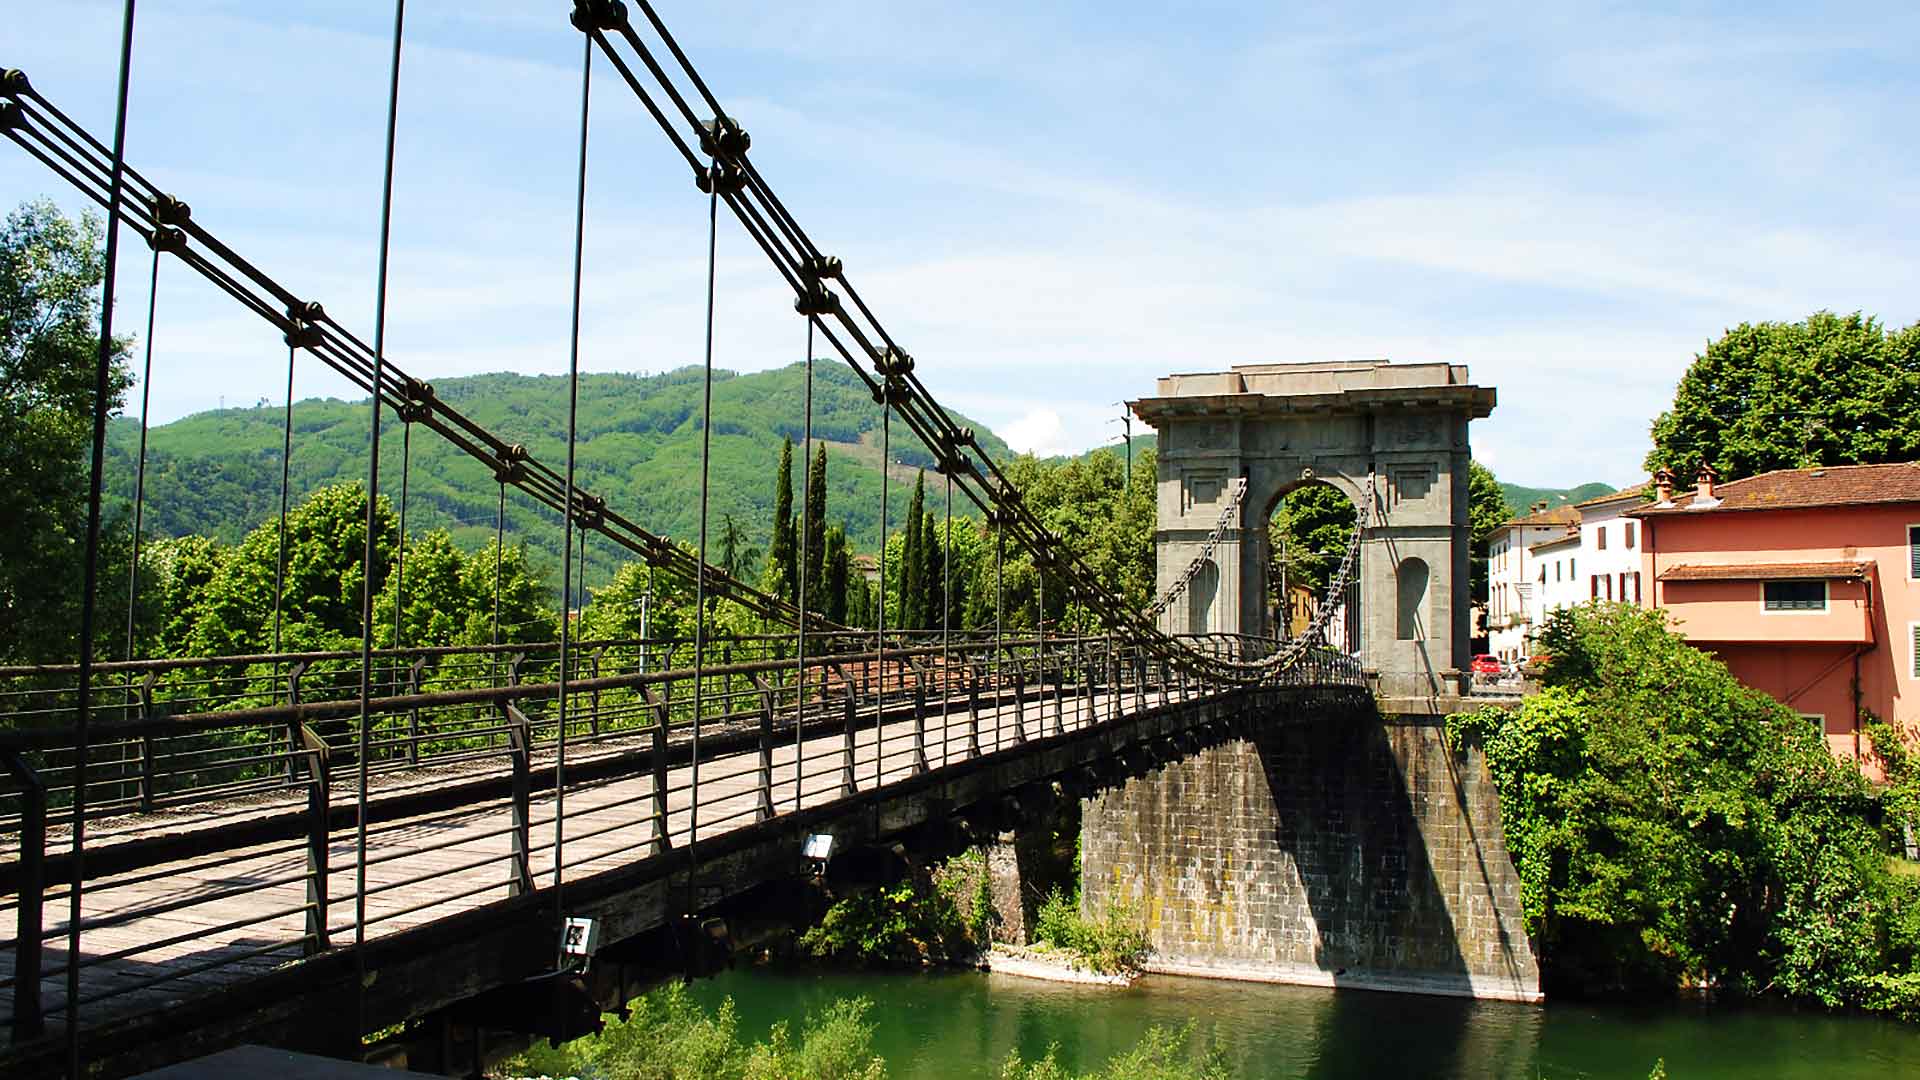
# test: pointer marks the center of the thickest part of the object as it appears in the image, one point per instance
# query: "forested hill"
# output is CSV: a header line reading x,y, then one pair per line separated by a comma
x,y
1519,498
218,473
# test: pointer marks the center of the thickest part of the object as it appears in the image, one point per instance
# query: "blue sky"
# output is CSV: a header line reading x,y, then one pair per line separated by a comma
x,y
1048,205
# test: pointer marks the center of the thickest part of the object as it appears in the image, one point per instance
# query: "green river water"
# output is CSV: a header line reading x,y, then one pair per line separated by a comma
x,y
961,1024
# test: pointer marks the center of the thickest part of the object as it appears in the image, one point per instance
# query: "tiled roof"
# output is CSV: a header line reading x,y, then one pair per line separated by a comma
x,y
1795,489
1572,535
1767,571
1553,515
1638,491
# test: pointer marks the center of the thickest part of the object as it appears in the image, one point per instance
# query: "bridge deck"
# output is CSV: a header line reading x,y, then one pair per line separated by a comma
x,y
155,935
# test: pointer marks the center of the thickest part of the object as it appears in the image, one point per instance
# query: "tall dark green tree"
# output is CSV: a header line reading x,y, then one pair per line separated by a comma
x,y
933,561
837,573
815,525
781,553
1828,390
50,271
913,562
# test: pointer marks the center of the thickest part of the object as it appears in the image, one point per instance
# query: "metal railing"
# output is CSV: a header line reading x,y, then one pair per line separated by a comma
x,y
461,796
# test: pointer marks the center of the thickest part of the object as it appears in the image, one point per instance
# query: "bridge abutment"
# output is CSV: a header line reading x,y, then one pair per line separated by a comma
x,y
1323,850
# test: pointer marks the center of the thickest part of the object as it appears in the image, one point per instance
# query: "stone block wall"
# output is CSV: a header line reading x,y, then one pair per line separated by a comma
x,y
1333,850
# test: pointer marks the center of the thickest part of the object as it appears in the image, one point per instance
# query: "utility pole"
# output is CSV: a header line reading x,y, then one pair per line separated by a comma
x,y
1126,427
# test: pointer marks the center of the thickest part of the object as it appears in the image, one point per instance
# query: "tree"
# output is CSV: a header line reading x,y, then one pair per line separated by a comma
x,y
910,587
436,606
1311,529
50,272
526,613
320,602
932,602
838,570
1487,511
1671,826
1829,390
815,526
736,552
780,552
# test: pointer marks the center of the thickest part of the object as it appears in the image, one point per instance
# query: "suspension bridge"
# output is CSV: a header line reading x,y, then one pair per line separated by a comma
x,y
309,848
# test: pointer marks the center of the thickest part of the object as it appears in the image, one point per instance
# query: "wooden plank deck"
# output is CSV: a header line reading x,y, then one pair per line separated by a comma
x,y
157,935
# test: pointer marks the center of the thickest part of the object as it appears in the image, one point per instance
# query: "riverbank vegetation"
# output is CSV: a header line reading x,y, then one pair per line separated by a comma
x,y
669,1036
1673,828
945,916
1110,942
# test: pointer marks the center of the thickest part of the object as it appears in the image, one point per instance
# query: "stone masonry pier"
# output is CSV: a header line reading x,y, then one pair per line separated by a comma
x,y
1325,849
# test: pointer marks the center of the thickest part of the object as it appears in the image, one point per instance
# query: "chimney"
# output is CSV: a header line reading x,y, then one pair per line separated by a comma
x,y
1538,505
1663,486
1703,497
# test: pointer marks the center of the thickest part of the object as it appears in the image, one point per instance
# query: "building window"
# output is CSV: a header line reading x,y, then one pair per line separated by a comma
x,y
1543,573
1627,536
1623,586
1913,654
1795,595
1600,538
1636,586
1913,552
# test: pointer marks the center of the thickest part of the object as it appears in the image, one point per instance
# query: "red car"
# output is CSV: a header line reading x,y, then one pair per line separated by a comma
x,y
1488,664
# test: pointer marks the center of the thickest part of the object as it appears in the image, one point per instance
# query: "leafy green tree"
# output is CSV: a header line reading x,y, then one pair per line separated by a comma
x,y
1487,510
436,607
1311,529
781,553
1671,826
320,603
175,574
525,596
815,530
50,272
1829,390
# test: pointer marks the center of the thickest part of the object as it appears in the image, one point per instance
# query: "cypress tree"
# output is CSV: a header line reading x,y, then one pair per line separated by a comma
x,y
780,553
816,522
913,561
933,561
835,603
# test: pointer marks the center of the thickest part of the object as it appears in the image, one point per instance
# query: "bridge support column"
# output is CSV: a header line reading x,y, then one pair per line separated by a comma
x,y
1323,848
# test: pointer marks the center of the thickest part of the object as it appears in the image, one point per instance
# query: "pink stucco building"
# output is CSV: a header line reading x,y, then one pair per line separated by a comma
x,y
1806,582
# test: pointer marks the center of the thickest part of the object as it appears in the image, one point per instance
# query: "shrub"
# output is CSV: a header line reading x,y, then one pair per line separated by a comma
x,y
1673,827
1111,943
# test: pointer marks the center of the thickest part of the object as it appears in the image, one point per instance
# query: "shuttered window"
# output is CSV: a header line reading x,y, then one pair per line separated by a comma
x,y
1796,595
1913,654
1913,552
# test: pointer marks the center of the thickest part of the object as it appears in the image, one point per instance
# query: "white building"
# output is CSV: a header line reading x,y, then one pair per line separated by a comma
x,y
1610,547
1514,577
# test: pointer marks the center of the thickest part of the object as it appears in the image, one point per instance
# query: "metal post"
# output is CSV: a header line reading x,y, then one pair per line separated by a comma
x,y
658,703
520,749
318,779
919,719
973,709
28,1019
146,744
413,713
765,809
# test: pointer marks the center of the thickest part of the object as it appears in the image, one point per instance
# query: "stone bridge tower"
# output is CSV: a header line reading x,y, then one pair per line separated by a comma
x,y
1280,426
